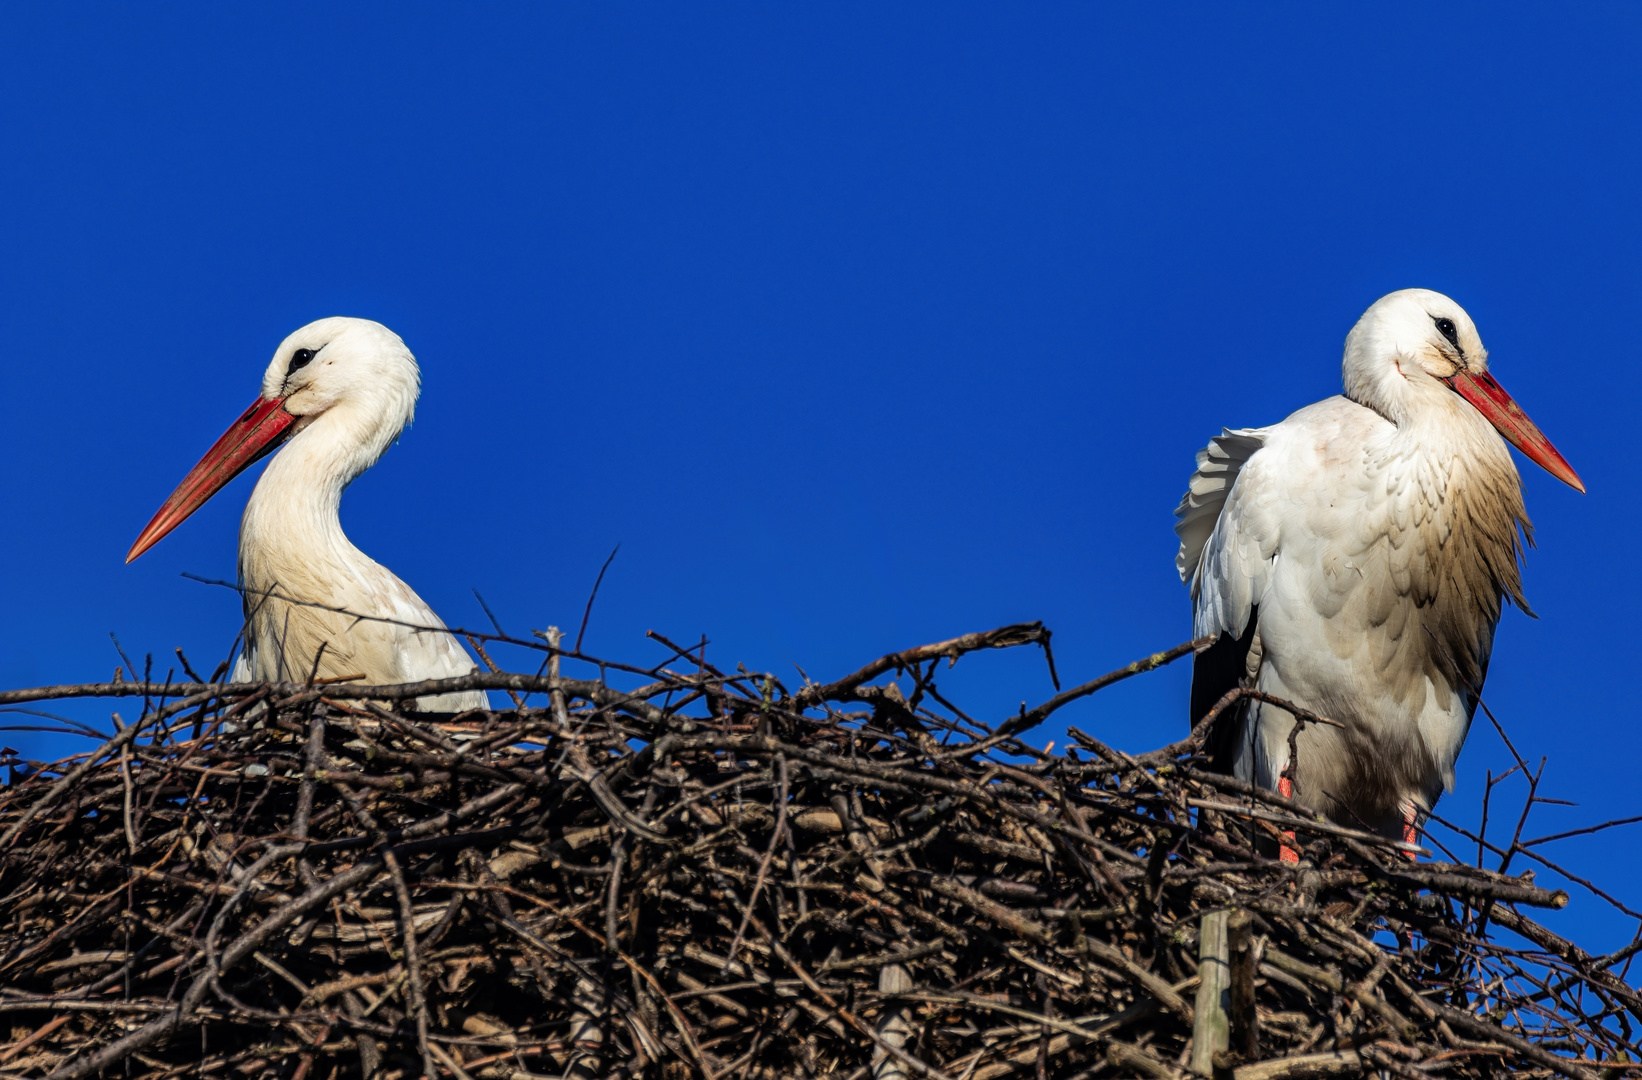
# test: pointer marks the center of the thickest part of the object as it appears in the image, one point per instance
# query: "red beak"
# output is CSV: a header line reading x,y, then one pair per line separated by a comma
x,y
1509,420
256,434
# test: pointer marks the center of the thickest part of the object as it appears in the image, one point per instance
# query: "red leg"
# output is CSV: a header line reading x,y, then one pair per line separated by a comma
x,y
1411,828
1285,788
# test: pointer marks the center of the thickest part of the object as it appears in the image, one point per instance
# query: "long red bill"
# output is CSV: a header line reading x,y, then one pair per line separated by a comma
x,y
256,434
1507,416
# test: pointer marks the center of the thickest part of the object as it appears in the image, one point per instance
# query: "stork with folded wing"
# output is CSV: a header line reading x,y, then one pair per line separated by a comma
x,y
336,393
1354,559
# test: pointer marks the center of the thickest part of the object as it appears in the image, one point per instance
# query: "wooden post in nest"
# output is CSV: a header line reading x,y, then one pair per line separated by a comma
x,y
1226,1030
1211,1028
1245,1025
895,1029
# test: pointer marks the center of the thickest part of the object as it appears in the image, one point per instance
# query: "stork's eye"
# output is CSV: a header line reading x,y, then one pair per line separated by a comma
x,y
1446,328
299,359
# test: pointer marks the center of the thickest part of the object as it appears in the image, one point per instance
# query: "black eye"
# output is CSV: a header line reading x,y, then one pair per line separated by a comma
x,y
301,357
1446,328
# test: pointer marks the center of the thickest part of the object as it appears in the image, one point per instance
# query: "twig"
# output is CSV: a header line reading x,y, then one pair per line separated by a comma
x,y
587,612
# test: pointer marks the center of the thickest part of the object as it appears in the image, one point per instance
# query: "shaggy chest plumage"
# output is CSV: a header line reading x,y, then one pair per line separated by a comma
x,y
1425,551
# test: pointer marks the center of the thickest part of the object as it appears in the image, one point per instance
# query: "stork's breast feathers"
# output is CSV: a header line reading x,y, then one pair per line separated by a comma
x,y
383,632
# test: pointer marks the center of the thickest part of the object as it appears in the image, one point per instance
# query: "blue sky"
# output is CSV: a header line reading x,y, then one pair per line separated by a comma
x,y
856,326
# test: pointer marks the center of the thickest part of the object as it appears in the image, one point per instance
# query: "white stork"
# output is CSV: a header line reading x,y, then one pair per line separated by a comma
x,y
336,393
1354,559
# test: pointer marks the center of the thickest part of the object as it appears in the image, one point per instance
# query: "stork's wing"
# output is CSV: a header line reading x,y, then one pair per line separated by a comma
x,y
1228,538
1221,667
1228,534
432,653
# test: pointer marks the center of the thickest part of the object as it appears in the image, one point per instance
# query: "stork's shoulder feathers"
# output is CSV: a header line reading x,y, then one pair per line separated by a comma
x,y
1254,486
1228,532
1230,521
431,653
411,639
1206,493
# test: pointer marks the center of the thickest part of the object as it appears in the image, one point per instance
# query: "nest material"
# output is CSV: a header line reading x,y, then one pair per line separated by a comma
x,y
709,874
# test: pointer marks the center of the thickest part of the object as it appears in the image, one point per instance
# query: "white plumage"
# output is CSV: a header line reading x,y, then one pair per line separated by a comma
x,y
1354,559
335,395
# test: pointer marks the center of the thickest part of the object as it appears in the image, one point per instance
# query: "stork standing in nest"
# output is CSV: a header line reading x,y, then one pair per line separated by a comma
x,y
1354,559
336,393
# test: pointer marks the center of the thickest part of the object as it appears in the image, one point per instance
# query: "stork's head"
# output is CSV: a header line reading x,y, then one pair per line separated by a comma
x,y
1414,350
353,364
351,381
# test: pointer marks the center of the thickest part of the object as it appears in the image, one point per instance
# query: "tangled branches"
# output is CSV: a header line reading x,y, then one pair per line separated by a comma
x,y
706,873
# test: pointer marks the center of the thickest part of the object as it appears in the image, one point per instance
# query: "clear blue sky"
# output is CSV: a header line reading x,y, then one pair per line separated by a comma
x,y
857,327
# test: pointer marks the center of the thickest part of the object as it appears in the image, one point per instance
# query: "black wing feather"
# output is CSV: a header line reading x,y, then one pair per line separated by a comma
x,y
1221,667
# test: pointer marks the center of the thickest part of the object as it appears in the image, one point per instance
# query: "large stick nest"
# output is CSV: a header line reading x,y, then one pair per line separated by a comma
x,y
706,873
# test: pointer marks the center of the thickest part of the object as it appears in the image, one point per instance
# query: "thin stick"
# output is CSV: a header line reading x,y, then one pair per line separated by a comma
x,y
587,612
